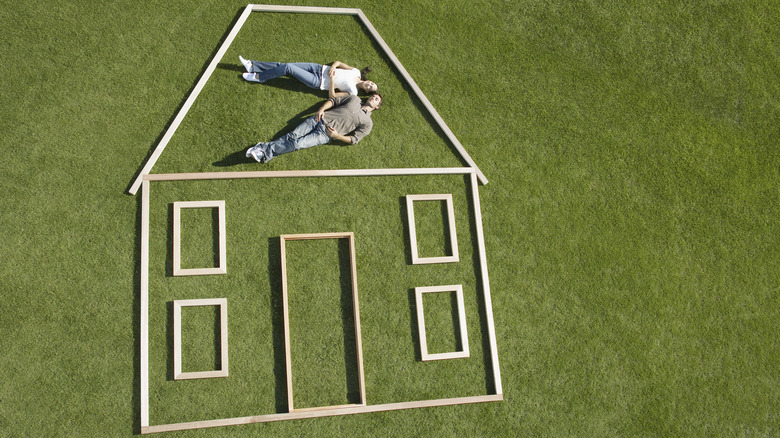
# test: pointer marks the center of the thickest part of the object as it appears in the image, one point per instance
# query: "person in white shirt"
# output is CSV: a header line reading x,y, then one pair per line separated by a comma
x,y
337,76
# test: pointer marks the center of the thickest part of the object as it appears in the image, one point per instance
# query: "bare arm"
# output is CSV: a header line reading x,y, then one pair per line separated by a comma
x,y
321,112
332,87
339,64
333,134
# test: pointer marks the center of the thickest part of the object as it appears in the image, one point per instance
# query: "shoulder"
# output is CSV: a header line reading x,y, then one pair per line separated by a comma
x,y
339,100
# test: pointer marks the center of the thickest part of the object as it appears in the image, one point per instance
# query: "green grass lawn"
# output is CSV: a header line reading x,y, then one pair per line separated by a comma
x,y
631,219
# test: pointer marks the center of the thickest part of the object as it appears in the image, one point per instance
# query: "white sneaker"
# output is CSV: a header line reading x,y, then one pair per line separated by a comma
x,y
251,77
256,153
247,64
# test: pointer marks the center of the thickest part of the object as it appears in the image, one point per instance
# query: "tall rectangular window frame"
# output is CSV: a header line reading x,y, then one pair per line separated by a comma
x,y
222,267
356,312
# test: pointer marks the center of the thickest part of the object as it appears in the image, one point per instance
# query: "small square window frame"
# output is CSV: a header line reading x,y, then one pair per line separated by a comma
x,y
177,269
223,338
464,339
416,259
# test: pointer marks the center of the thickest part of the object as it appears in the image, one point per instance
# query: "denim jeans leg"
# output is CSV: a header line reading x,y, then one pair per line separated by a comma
x,y
307,134
316,137
309,73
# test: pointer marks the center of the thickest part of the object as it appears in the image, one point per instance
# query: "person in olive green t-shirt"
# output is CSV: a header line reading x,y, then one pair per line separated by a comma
x,y
346,119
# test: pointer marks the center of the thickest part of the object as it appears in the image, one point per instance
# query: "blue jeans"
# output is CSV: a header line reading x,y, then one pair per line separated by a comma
x,y
308,134
309,73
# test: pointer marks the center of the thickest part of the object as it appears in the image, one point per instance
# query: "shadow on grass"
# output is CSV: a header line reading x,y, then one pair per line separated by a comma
x,y
169,340
239,157
169,240
409,91
277,322
217,329
169,243
234,159
490,383
352,374
414,327
283,82
404,216
456,321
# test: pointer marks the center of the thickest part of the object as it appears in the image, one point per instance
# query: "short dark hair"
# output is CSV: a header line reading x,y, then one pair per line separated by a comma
x,y
364,73
381,99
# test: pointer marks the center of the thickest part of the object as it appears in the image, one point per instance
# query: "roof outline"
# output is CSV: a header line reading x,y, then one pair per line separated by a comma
x,y
182,112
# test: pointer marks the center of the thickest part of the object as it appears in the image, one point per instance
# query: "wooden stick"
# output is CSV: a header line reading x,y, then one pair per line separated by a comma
x,y
421,96
145,305
223,325
305,9
355,304
286,319
307,173
486,286
190,100
222,268
320,413
416,259
464,339
356,312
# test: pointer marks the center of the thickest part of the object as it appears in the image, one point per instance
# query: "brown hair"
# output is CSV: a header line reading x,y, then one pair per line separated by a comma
x,y
381,100
364,72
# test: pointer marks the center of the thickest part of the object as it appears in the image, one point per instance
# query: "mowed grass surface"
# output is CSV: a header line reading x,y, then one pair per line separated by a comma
x,y
630,219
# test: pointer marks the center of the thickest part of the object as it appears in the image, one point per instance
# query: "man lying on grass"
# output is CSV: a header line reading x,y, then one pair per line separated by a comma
x,y
346,119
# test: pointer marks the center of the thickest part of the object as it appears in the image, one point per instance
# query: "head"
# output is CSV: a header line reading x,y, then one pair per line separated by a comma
x,y
374,101
364,73
369,87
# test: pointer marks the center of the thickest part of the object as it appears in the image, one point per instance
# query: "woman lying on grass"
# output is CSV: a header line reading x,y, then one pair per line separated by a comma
x,y
320,77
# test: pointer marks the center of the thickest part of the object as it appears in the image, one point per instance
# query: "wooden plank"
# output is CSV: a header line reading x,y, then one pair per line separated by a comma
x,y
356,310
286,319
223,331
355,304
223,325
190,100
416,259
486,286
320,413
465,155
325,408
176,340
312,236
464,339
307,173
222,268
144,303
305,9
